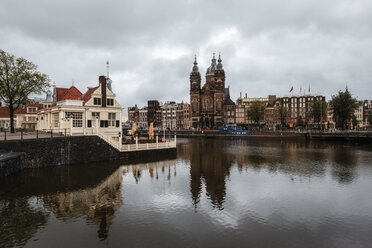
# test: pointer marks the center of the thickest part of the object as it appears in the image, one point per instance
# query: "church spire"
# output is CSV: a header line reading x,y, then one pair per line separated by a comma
x,y
195,67
219,65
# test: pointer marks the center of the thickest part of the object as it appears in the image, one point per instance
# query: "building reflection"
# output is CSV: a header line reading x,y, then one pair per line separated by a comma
x,y
98,204
19,221
344,163
153,169
211,160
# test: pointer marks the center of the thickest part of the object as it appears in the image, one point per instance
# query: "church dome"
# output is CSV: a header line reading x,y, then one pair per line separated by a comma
x,y
211,69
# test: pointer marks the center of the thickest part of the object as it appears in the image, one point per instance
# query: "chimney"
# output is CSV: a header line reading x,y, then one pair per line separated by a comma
x,y
102,83
245,95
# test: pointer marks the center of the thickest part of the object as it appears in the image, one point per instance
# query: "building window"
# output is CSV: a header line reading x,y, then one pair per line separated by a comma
x,y
32,110
110,102
95,115
97,101
77,118
55,119
111,119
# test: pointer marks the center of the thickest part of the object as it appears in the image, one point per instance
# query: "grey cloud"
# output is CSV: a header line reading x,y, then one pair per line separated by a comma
x,y
267,46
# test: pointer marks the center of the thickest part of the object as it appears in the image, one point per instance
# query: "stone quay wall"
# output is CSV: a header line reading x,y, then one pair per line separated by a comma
x,y
61,150
11,163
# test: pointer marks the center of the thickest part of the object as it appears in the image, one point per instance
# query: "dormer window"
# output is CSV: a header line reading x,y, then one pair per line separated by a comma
x,y
97,101
31,110
110,102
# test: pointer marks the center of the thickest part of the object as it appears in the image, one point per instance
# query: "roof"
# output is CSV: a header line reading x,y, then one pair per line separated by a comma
x,y
228,100
68,94
4,111
36,104
88,94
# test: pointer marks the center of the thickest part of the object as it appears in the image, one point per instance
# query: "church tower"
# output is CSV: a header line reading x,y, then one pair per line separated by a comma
x,y
219,75
195,85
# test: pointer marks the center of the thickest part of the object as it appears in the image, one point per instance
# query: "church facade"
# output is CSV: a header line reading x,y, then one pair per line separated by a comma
x,y
207,102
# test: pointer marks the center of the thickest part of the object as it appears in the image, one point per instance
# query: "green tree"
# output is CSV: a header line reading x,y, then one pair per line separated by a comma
x,y
369,119
354,121
343,105
282,115
18,79
318,111
300,122
256,111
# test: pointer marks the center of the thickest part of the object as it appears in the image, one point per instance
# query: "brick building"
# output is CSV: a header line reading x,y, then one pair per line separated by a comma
x,y
300,106
153,113
207,102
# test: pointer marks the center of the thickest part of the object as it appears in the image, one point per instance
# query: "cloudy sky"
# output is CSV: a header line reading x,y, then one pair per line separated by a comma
x,y
267,46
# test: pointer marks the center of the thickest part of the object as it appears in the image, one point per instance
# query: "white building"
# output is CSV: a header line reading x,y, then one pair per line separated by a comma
x,y
72,112
169,115
359,114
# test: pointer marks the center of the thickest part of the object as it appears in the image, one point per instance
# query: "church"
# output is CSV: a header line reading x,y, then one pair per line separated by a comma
x,y
208,102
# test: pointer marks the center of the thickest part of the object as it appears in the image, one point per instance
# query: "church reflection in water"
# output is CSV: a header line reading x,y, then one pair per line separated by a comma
x,y
212,159
209,163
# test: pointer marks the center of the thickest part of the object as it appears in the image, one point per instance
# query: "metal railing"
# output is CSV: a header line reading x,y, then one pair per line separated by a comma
x,y
31,134
149,146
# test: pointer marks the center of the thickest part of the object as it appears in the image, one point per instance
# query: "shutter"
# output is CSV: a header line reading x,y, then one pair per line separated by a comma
x,y
89,124
117,123
102,123
106,123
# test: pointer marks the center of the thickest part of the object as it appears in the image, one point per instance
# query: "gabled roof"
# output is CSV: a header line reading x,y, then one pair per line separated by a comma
x,y
68,94
88,94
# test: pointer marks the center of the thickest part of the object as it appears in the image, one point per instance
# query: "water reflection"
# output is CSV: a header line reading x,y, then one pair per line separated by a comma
x,y
153,168
208,162
217,193
94,194
344,164
211,160
97,204
20,220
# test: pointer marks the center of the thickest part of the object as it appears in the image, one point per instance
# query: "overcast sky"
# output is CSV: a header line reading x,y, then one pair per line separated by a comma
x,y
266,46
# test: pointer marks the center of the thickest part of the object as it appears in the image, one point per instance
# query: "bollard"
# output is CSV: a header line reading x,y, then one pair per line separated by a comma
x,y
51,133
4,135
65,132
21,134
37,134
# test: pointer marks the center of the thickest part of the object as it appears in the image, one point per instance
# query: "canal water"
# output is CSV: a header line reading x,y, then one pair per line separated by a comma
x,y
216,193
